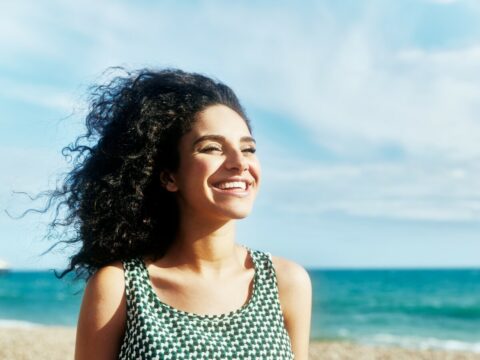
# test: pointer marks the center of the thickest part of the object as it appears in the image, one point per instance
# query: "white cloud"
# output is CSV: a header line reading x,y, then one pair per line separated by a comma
x,y
28,169
21,30
352,91
39,95
444,2
407,190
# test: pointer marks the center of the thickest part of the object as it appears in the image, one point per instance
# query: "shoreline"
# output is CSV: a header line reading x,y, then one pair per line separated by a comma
x,y
55,342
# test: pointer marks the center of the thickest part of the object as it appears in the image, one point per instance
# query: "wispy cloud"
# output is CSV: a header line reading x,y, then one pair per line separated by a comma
x,y
356,92
29,169
444,2
408,190
39,95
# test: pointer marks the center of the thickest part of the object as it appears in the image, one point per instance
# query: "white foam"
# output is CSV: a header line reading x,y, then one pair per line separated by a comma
x,y
7,323
421,342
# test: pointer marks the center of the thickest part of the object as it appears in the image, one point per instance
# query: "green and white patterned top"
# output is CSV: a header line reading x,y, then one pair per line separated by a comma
x,y
156,330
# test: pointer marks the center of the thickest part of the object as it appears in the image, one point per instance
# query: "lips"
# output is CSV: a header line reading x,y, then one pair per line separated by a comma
x,y
233,185
245,181
233,191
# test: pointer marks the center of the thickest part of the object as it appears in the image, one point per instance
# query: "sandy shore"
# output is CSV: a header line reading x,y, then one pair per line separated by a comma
x,y
52,343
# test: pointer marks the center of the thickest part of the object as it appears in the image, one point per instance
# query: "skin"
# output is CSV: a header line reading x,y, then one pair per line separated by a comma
x,y
204,271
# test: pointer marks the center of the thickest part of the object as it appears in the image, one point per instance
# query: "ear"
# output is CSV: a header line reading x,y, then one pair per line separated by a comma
x,y
168,182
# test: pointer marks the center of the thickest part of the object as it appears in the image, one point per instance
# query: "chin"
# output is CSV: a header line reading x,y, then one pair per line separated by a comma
x,y
237,214
242,216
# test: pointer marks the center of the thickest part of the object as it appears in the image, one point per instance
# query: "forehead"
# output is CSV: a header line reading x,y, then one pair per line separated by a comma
x,y
220,120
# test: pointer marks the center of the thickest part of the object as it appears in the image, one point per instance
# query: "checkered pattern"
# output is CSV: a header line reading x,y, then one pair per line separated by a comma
x,y
156,330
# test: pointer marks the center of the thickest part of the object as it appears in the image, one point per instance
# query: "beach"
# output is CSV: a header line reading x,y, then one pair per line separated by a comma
x,y
57,343
396,310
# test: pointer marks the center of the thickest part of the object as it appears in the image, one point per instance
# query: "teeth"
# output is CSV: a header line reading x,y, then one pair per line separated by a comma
x,y
233,184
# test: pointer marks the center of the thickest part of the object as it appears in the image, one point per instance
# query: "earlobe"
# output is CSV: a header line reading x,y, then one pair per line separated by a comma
x,y
168,182
171,187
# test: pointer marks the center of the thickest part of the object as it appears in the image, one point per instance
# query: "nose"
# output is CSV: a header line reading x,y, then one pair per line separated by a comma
x,y
236,160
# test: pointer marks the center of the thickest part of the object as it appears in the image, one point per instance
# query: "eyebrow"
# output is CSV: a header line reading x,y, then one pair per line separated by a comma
x,y
222,138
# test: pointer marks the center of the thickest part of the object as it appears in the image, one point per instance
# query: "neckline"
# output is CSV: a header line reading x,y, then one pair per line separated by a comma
x,y
212,317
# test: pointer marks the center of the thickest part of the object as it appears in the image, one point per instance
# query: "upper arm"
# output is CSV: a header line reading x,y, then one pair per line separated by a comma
x,y
102,319
295,292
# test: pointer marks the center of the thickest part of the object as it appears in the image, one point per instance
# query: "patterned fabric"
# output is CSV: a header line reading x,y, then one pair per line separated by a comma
x,y
156,330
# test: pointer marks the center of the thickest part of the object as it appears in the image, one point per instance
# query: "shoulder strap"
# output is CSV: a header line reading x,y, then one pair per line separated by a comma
x,y
266,270
134,279
268,294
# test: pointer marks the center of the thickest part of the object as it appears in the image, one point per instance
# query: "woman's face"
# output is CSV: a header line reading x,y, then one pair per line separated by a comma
x,y
219,173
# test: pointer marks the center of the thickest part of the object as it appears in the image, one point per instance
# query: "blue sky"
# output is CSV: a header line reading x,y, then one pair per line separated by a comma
x,y
366,116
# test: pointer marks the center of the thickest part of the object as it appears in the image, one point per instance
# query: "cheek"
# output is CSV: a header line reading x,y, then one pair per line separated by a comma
x,y
202,167
255,170
199,172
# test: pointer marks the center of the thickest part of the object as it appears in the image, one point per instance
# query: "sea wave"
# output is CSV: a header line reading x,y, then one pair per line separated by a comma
x,y
460,311
8,323
421,342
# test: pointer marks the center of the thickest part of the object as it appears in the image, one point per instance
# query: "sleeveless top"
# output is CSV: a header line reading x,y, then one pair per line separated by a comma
x,y
156,330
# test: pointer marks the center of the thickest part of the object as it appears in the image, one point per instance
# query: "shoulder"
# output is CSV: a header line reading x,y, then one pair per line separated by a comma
x,y
104,294
108,280
295,295
294,288
102,318
291,276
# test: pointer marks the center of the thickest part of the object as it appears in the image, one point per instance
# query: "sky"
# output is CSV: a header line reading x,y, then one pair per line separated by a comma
x,y
366,115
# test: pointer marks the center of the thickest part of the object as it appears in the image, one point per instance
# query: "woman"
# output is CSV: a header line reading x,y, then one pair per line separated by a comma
x,y
156,201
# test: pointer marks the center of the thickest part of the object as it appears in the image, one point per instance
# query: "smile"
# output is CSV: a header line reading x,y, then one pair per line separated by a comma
x,y
235,188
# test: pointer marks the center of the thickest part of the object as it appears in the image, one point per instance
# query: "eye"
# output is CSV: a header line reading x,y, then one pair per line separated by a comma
x,y
211,148
251,150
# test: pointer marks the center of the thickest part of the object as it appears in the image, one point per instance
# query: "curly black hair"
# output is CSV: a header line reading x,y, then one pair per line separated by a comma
x,y
113,195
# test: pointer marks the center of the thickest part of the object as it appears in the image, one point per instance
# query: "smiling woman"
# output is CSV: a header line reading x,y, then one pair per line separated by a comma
x,y
155,201
219,173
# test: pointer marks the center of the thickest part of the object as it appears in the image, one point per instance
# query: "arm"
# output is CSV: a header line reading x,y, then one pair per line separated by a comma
x,y
102,318
295,292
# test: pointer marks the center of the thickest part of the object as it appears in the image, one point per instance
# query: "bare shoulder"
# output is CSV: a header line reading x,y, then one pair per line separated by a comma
x,y
291,276
102,319
295,294
104,295
108,280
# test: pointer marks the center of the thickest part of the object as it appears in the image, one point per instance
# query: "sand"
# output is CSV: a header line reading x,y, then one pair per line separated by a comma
x,y
52,343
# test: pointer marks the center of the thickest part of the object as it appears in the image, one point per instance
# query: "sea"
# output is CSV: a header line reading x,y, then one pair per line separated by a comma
x,y
414,308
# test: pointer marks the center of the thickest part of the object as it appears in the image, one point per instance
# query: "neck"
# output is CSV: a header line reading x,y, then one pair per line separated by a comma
x,y
204,246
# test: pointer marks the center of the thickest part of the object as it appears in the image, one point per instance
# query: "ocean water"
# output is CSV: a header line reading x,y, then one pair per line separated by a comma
x,y
409,308
38,297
